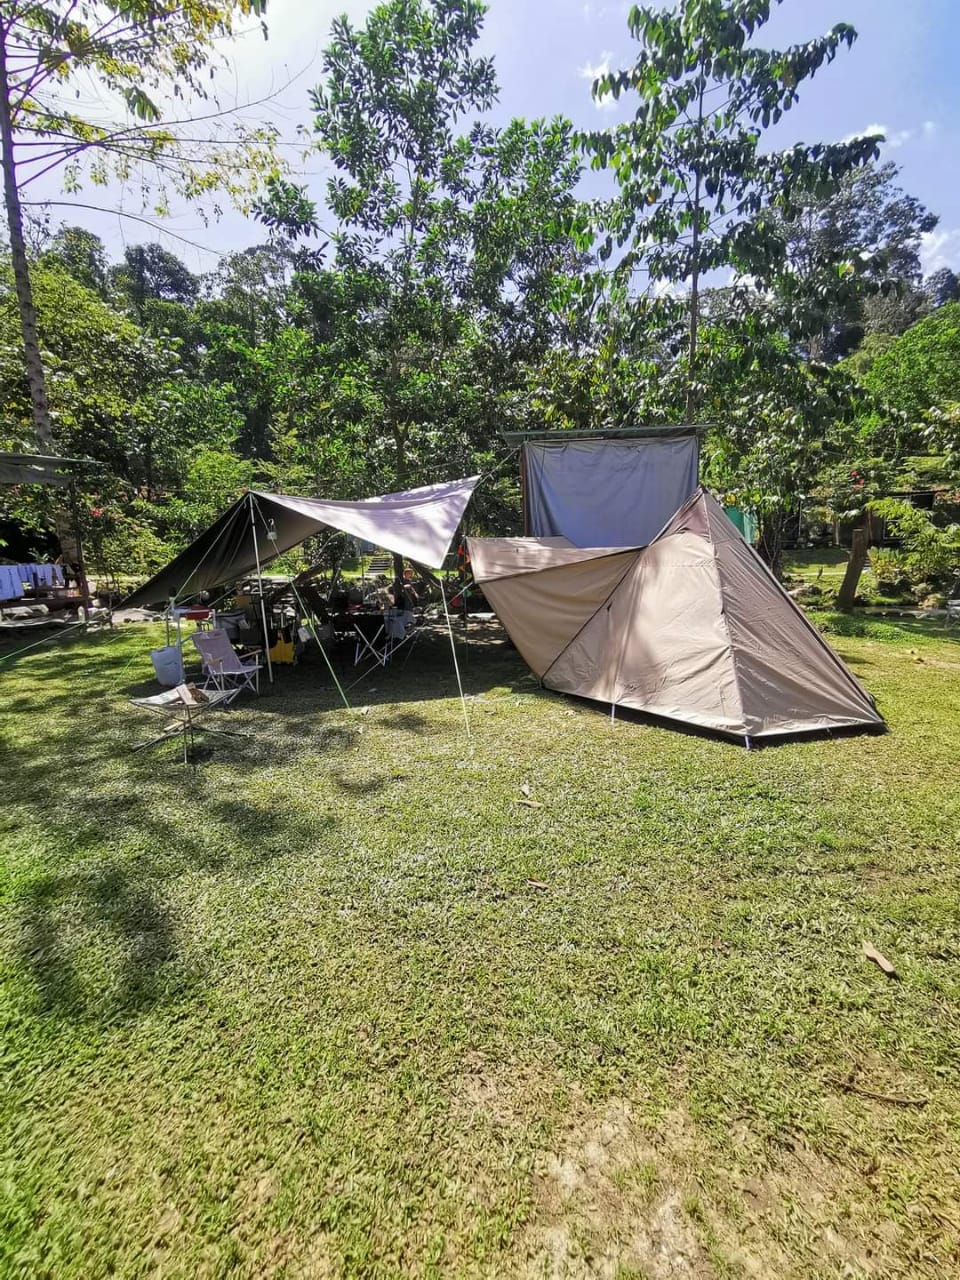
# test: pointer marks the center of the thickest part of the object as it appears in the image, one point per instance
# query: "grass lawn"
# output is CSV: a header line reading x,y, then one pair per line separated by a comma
x,y
341,1004
824,565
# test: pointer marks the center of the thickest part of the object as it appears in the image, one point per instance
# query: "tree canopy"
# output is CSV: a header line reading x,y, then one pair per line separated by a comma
x,y
453,282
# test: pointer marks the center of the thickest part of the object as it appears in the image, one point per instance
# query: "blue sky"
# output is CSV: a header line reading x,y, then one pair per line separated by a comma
x,y
901,75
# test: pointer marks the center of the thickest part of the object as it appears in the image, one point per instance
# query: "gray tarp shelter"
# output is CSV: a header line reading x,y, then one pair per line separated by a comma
x,y
693,627
40,468
419,524
606,488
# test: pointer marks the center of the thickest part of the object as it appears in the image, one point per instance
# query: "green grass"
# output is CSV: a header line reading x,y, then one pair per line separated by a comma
x,y
337,1004
825,565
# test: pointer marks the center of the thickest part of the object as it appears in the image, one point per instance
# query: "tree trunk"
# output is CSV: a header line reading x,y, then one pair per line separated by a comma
x,y
855,566
33,364
66,528
692,398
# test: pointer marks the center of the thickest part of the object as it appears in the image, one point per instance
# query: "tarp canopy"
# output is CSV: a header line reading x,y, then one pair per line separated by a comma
x,y
693,627
608,492
39,468
419,524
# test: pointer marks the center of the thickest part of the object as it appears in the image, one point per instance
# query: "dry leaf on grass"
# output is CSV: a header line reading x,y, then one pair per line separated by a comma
x,y
879,959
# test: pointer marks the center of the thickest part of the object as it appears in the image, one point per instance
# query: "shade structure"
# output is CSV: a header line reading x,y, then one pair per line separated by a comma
x,y
693,628
419,524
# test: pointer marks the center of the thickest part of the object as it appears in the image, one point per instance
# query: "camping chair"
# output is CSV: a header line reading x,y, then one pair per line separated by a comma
x,y
368,628
224,668
398,625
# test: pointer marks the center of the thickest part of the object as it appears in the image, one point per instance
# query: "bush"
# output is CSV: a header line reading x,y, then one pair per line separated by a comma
x,y
930,552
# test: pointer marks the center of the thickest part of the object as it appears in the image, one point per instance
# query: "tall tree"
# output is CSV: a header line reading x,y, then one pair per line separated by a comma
x,y
447,235
140,55
149,272
82,253
943,286
854,259
696,193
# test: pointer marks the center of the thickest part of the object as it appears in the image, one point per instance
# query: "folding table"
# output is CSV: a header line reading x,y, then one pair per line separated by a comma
x,y
183,717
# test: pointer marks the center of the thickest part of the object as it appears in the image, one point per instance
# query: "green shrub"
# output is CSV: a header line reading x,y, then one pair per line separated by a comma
x,y
930,552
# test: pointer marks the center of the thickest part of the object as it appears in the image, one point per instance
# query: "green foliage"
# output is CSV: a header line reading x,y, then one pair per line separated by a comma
x,y
449,248
121,541
137,54
82,254
931,552
151,273
943,287
854,258
695,190
214,478
921,370
780,420
874,344
99,365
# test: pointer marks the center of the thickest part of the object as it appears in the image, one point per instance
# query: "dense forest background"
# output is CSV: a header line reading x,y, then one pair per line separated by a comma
x,y
455,285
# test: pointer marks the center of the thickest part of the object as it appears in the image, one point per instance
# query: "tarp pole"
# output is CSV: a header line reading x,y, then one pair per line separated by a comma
x,y
326,658
456,664
263,603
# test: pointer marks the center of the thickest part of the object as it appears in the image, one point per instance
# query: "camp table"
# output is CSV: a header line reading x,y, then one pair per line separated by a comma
x,y
183,716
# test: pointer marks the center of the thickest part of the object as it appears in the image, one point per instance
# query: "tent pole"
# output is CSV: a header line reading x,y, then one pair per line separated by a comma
x,y
456,664
326,658
263,605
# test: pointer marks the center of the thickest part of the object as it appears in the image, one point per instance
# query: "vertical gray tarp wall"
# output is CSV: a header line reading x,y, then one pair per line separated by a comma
x,y
608,492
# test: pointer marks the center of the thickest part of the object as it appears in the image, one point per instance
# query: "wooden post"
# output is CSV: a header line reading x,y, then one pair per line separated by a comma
x,y
855,566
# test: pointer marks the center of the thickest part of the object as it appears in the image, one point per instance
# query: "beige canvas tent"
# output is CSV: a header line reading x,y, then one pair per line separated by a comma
x,y
693,627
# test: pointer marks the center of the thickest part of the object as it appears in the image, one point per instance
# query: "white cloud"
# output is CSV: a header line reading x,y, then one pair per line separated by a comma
x,y
894,137
929,128
590,71
940,248
669,289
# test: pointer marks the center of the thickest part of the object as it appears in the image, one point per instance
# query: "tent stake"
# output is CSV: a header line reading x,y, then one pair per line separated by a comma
x,y
263,605
309,618
456,664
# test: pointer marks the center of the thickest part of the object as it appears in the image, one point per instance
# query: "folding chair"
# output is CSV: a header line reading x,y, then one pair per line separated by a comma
x,y
225,669
367,628
398,625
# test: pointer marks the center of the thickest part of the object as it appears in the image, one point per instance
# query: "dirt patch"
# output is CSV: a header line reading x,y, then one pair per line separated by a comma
x,y
607,1204
502,1095
620,1195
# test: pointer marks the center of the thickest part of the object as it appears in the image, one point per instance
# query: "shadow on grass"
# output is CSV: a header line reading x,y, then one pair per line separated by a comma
x,y
128,920
108,836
